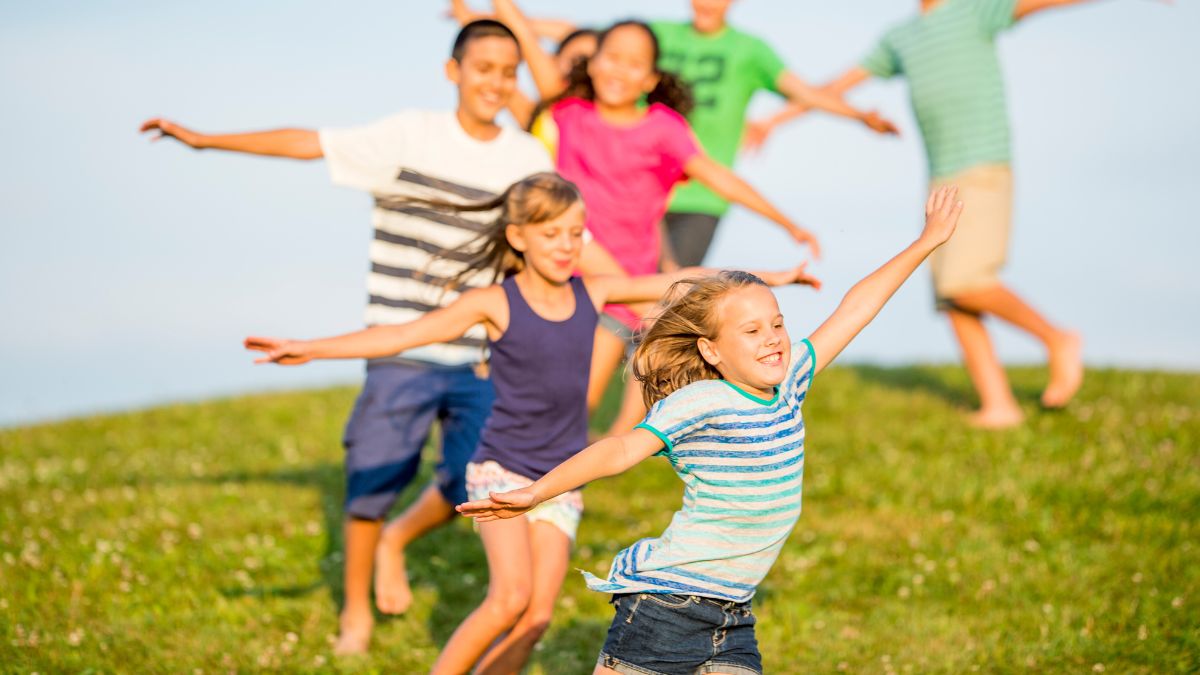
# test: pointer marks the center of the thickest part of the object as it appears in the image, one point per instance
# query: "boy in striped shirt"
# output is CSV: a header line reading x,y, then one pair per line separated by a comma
x,y
948,55
725,387
452,155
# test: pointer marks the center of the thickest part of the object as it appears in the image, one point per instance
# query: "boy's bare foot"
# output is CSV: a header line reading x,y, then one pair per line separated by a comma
x,y
996,418
354,633
1066,371
392,592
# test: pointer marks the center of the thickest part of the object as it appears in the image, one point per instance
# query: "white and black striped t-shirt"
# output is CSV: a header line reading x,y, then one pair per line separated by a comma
x,y
425,154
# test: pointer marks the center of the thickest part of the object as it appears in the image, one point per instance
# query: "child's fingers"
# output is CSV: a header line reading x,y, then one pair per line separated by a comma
x,y
951,200
929,202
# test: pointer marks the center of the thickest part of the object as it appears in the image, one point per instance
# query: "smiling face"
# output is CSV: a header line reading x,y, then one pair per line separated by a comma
x,y
623,68
552,248
486,76
751,349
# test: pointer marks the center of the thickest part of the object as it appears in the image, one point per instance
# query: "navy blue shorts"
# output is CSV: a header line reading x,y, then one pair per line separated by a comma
x,y
660,634
391,422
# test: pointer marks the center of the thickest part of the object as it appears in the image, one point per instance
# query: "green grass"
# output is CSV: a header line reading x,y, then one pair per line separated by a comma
x,y
206,538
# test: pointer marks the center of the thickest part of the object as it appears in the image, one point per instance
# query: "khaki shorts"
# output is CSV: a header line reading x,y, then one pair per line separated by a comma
x,y
973,257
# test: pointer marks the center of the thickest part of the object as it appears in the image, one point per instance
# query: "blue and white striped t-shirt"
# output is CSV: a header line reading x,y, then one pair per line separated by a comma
x,y
741,459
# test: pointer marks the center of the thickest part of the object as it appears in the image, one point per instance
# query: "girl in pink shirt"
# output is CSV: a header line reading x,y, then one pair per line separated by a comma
x,y
626,157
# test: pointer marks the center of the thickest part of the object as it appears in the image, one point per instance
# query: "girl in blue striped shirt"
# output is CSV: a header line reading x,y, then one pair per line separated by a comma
x,y
725,386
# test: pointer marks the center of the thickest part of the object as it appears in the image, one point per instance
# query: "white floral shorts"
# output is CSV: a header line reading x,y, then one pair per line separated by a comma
x,y
563,512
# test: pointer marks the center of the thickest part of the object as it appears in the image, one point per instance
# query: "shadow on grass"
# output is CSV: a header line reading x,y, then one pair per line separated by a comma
x,y
927,379
450,559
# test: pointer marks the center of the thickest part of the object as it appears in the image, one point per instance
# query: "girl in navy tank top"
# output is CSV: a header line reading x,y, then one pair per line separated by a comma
x,y
540,321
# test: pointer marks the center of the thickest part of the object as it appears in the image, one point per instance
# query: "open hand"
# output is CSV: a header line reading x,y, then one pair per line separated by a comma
x,y
283,352
499,505
754,137
941,215
806,238
166,128
879,124
796,275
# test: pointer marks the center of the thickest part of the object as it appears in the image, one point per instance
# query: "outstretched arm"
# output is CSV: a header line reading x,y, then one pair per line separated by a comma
x,y
292,143
551,29
758,131
442,325
863,302
731,187
608,457
626,289
800,92
541,65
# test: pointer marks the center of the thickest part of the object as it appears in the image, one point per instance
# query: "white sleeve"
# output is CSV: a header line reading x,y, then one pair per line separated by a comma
x,y
368,157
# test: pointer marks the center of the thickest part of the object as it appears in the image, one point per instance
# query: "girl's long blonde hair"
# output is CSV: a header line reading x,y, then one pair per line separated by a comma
x,y
667,357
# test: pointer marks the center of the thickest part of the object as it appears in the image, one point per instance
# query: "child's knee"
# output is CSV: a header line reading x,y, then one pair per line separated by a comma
x,y
508,604
534,622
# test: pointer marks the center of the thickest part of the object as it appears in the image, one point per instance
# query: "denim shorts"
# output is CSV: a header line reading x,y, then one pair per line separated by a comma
x,y
391,421
660,634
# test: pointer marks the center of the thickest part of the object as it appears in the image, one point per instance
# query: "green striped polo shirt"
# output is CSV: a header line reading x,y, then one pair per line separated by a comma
x,y
949,57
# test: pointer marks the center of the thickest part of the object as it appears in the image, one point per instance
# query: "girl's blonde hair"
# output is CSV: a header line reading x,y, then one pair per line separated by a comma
x,y
667,357
534,199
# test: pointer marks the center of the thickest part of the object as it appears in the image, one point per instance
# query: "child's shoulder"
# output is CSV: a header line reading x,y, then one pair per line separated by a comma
x,y
665,114
697,395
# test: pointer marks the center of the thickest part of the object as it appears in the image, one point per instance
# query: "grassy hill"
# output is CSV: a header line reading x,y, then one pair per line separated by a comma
x,y
206,538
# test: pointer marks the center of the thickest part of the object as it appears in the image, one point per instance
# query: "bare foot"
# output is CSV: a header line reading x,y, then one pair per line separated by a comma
x,y
1066,371
999,418
354,633
392,593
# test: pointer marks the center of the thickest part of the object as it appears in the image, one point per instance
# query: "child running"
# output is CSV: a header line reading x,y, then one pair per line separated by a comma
x,y
540,322
626,157
725,388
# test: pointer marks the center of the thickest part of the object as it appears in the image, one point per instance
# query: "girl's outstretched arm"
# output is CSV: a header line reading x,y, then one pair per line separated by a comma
x,y
608,457
863,302
625,289
731,187
546,76
442,325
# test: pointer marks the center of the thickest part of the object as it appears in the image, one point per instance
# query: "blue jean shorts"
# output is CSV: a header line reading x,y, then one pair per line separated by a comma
x,y
660,634
391,422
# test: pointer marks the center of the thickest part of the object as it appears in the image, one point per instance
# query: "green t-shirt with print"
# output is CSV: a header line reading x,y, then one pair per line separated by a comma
x,y
725,70
954,81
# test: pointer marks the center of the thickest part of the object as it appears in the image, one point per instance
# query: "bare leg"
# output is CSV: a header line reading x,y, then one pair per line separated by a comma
x,y
1065,349
632,409
357,621
606,356
551,555
998,407
392,592
507,544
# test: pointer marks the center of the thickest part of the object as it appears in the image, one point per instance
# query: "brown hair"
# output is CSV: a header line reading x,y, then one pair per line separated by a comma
x,y
671,90
668,358
529,201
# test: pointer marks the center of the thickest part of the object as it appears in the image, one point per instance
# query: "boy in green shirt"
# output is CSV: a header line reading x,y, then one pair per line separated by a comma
x,y
725,68
948,54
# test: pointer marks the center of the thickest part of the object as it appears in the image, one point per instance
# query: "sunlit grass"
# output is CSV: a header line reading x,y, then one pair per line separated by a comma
x,y
206,537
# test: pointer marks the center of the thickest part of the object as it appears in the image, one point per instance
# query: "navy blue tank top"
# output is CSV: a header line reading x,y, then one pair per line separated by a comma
x,y
540,371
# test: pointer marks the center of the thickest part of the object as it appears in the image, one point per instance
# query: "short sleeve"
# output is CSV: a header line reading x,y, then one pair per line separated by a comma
x,y
995,15
882,61
366,157
800,373
679,415
768,65
678,143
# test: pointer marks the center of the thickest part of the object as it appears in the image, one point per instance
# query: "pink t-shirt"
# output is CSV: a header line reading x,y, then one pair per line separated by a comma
x,y
626,174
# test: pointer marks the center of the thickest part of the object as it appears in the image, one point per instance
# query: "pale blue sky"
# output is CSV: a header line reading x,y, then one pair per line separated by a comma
x,y
130,271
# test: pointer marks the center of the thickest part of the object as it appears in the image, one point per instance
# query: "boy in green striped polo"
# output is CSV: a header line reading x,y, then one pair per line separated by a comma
x,y
948,54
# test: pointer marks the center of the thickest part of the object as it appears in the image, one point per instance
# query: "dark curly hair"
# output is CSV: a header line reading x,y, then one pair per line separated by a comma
x,y
670,91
